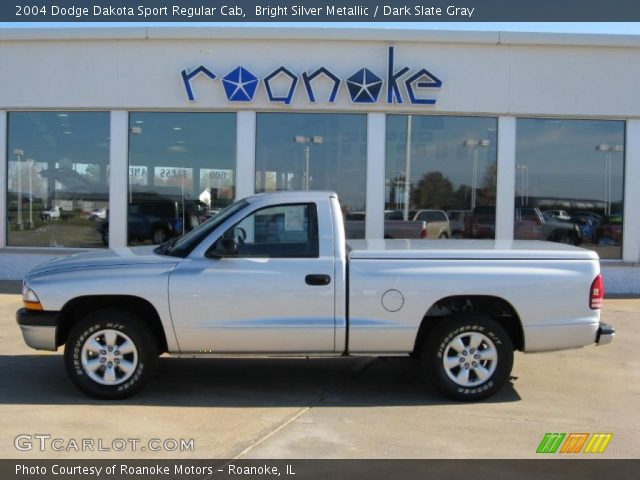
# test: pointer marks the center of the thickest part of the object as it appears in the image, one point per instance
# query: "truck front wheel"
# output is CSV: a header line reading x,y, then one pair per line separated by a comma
x,y
110,355
468,358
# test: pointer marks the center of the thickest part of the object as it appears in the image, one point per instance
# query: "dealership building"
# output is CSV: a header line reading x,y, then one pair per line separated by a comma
x,y
128,136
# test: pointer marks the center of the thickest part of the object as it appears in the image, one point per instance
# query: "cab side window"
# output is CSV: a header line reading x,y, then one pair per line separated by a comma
x,y
282,231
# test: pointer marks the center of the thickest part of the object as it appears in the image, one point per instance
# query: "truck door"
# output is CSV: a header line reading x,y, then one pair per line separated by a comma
x,y
265,286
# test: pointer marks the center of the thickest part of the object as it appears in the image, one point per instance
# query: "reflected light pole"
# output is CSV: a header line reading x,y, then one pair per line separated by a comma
x,y
307,141
524,184
407,170
476,145
184,220
608,160
18,152
30,164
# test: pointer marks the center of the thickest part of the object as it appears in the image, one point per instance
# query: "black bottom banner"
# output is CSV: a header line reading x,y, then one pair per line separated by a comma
x,y
547,469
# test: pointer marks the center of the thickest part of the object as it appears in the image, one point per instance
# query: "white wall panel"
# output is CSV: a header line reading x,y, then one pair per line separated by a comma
x,y
631,226
119,178
376,147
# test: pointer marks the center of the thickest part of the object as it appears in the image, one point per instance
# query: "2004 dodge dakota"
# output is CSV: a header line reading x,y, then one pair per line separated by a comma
x,y
272,274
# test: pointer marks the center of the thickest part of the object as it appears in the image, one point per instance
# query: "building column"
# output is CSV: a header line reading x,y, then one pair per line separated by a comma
x,y
506,178
119,178
3,178
245,154
375,174
631,226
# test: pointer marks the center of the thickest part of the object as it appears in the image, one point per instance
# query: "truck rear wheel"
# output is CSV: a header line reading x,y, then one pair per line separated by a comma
x,y
110,355
468,358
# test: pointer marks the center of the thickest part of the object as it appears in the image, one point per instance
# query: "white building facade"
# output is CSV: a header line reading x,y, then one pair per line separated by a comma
x,y
127,136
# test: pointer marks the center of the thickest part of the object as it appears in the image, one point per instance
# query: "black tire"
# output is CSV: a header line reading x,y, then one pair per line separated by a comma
x,y
439,344
443,236
125,324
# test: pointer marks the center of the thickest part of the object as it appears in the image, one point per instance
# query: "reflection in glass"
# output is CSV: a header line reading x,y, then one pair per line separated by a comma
x,y
440,177
57,178
309,151
181,171
569,183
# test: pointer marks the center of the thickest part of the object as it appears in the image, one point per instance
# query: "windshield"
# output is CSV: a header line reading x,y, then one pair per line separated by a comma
x,y
182,246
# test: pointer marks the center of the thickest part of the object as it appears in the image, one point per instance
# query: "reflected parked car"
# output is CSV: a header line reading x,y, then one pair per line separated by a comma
x,y
609,232
53,213
457,222
586,226
155,218
437,223
530,223
354,224
480,223
560,215
595,218
97,214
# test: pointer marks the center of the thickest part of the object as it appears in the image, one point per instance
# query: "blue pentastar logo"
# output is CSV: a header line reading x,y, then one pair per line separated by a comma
x,y
364,86
240,85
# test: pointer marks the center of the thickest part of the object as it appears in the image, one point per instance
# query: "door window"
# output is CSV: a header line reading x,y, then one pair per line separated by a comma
x,y
282,231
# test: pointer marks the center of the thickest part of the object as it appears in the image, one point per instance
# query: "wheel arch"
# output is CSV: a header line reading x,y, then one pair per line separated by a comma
x,y
497,308
78,307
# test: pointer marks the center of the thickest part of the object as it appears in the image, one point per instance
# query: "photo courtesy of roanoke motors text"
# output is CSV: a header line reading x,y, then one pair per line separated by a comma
x,y
319,239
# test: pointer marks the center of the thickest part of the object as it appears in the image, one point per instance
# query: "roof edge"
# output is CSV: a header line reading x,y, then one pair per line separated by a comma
x,y
222,32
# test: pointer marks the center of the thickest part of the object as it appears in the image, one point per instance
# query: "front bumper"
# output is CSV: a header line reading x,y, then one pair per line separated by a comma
x,y
38,328
605,334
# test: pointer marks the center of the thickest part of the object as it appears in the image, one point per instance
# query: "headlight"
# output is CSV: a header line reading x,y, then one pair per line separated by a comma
x,y
30,299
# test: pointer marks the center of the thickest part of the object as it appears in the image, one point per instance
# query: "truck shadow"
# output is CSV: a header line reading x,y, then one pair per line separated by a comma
x,y
261,382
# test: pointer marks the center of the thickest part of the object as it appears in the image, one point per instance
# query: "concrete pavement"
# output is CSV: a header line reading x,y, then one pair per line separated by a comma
x,y
324,408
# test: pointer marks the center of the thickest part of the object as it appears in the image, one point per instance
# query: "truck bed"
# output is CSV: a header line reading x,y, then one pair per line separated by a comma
x,y
394,283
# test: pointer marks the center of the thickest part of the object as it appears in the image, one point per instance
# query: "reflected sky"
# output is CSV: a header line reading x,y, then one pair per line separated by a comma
x,y
337,157
562,160
66,138
193,139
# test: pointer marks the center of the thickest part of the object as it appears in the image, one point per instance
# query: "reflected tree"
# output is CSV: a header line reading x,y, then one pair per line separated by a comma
x,y
487,192
434,190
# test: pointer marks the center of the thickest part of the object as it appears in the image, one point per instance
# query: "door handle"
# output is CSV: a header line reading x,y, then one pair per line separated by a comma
x,y
317,279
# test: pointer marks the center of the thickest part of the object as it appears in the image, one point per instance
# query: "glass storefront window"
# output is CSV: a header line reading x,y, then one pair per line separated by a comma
x,y
57,178
314,151
181,171
569,182
440,177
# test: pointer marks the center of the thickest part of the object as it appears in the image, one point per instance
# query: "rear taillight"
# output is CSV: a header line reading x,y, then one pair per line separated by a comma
x,y
423,233
596,294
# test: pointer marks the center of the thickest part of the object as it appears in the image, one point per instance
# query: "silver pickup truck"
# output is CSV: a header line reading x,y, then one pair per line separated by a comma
x,y
272,274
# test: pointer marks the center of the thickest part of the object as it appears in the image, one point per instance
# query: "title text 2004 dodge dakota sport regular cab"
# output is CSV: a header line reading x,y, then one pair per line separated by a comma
x,y
272,274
